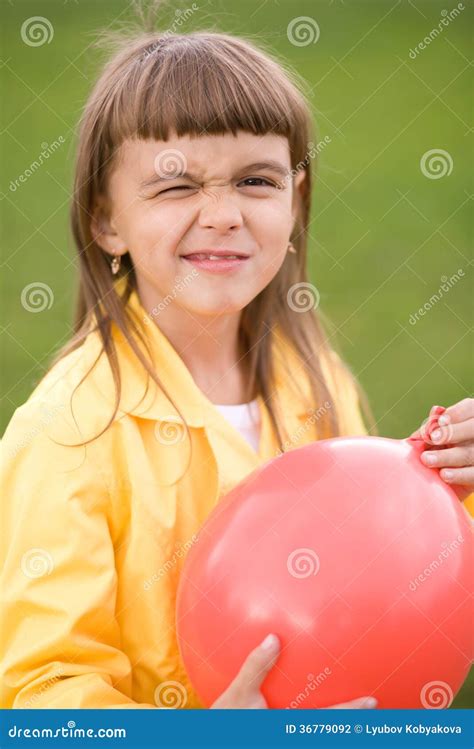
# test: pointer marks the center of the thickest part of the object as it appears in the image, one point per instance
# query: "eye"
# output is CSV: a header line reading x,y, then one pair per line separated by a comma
x,y
175,189
259,182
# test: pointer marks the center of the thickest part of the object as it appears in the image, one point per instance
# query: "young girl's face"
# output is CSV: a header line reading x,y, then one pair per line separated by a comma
x,y
195,195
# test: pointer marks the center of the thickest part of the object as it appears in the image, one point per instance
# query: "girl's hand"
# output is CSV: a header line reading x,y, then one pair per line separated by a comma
x,y
244,691
451,445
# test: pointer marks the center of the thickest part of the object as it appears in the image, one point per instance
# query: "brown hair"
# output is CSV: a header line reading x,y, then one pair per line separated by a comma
x,y
202,82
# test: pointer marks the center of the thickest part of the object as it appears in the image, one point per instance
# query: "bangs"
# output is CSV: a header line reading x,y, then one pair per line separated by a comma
x,y
205,83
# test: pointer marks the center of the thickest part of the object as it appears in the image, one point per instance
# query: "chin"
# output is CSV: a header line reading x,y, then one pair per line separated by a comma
x,y
216,307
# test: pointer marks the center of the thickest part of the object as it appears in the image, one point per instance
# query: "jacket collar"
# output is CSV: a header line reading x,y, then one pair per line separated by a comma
x,y
140,395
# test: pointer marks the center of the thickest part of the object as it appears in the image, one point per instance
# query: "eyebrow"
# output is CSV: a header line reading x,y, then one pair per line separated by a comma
x,y
273,166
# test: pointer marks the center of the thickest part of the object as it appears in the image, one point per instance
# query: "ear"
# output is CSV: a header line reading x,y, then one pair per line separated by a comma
x,y
104,232
299,183
299,190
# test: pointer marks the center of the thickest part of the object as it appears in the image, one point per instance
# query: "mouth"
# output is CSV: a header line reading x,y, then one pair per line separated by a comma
x,y
216,261
216,254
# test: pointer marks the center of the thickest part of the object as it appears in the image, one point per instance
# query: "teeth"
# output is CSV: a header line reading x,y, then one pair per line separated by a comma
x,y
222,257
216,257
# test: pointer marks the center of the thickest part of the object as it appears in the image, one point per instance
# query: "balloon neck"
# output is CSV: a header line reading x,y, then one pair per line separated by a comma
x,y
417,443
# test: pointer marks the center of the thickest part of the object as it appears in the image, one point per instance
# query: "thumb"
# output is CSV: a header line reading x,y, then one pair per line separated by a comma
x,y
361,703
260,661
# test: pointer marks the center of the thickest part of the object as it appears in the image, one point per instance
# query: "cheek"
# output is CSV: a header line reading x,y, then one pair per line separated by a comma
x,y
271,229
155,234
272,223
268,264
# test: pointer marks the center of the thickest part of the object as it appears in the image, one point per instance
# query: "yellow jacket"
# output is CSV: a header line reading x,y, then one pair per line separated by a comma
x,y
94,537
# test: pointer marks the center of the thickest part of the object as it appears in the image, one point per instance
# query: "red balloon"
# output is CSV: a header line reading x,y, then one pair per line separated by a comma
x,y
357,556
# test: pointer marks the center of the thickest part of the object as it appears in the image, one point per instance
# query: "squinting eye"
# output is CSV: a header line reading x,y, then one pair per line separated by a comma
x,y
179,187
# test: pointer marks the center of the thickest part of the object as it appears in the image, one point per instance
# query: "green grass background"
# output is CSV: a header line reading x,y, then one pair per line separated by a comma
x,y
382,234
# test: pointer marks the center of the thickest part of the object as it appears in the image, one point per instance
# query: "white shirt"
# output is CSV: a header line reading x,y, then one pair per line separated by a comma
x,y
245,417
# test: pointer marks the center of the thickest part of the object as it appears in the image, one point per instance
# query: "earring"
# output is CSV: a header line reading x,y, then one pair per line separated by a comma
x,y
291,249
115,264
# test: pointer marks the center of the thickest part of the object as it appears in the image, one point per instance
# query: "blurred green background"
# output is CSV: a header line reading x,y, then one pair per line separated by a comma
x,y
383,234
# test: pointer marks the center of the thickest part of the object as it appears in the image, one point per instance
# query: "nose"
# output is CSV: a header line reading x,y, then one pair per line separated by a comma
x,y
220,211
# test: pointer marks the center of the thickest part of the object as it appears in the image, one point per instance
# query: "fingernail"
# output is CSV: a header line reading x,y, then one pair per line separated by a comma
x,y
448,475
436,435
429,458
443,420
370,702
271,642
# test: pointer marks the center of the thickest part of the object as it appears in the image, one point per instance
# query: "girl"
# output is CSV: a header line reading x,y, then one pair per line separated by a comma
x,y
197,354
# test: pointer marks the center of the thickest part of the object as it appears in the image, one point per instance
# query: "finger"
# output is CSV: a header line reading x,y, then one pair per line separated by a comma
x,y
361,703
430,424
461,476
458,412
451,456
257,665
453,433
